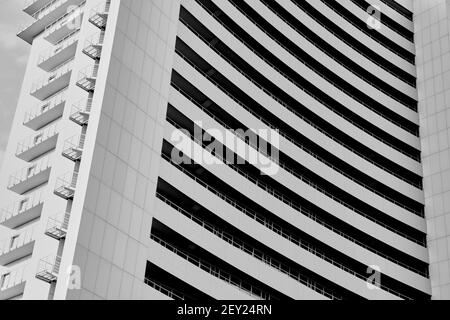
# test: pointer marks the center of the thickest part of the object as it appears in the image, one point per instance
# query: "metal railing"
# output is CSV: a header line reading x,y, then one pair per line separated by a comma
x,y
42,108
58,222
49,265
67,41
14,277
304,211
214,270
171,293
47,79
25,204
293,81
75,142
242,245
61,21
68,180
421,214
285,104
30,171
49,7
294,172
331,56
37,138
17,241
366,32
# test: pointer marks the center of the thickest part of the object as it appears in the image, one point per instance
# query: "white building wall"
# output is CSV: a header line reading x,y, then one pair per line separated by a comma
x,y
433,68
114,206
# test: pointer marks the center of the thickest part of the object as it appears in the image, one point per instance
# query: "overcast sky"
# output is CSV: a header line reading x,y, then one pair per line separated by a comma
x,y
13,59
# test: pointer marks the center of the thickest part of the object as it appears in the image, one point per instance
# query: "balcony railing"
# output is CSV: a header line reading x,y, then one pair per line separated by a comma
x,y
43,17
12,283
20,212
65,185
38,144
65,25
31,176
99,14
48,269
46,112
93,45
81,111
33,6
87,78
73,147
171,293
51,84
57,226
215,271
54,57
17,246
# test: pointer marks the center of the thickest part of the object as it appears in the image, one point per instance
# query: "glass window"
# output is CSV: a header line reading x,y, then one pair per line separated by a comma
x,y
5,280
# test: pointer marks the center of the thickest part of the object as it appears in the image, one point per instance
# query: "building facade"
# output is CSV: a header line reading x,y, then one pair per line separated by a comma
x,y
229,149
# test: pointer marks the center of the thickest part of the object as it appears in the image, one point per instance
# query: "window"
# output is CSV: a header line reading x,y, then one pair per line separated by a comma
x,y
38,138
5,281
30,171
14,242
23,204
44,108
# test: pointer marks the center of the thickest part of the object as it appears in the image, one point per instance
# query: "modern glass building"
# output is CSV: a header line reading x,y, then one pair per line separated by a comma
x,y
230,149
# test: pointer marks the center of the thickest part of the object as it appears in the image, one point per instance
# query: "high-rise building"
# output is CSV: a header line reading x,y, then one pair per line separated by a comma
x,y
230,149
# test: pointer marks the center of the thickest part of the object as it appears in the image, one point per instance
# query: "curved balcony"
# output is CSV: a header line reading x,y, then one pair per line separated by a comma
x,y
73,148
65,186
93,45
46,112
57,226
16,247
87,78
45,16
38,144
53,83
23,211
81,111
99,15
54,57
48,269
12,283
30,177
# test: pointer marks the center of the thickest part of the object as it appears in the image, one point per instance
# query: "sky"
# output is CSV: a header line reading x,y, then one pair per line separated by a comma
x,y
13,58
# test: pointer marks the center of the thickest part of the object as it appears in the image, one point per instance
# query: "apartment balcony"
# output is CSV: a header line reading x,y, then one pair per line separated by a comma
x,y
73,148
12,283
65,186
57,226
99,15
53,83
30,177
64,26
93,45
32,6
87,78
45,112
44,17
64,51
23,211
48,269
16,247
38,144
81,111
